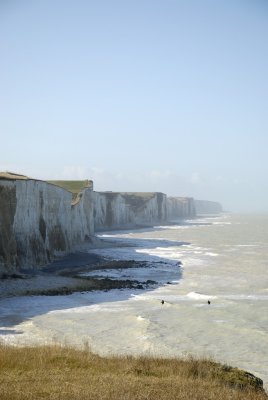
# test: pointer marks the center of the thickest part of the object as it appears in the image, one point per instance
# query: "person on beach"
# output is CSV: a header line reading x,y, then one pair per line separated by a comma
x,y
208,301
162,302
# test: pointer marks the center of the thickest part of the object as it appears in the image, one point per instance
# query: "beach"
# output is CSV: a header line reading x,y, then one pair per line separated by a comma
x,y
68,275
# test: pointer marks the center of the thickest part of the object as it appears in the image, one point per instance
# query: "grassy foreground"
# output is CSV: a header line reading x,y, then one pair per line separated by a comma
x,y
53,372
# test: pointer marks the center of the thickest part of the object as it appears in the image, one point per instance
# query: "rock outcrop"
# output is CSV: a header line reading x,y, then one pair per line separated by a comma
x,y
207,207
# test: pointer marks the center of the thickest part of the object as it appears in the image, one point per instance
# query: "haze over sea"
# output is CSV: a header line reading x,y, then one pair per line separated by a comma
x,y
224,260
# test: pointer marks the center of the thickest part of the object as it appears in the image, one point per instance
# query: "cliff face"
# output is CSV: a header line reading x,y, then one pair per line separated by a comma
x,y
39,221
8,247
121,210
207,207
180,207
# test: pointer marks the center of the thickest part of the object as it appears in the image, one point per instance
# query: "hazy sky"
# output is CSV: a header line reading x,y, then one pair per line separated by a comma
x,y
140,95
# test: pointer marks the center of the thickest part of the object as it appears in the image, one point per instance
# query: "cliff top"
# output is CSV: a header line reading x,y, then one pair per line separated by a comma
x,y
12,176
74,187
181,198
145,195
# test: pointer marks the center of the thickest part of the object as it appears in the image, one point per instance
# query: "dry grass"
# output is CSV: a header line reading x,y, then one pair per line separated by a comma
x,y
12,176
53,372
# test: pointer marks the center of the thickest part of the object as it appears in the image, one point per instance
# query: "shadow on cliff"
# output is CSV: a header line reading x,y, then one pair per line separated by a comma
x,y
15,310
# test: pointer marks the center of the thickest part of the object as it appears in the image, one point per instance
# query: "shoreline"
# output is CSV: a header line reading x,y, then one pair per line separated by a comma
x,y
62,276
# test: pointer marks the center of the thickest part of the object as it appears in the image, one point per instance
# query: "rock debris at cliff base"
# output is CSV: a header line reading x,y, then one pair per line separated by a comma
x,y
65,278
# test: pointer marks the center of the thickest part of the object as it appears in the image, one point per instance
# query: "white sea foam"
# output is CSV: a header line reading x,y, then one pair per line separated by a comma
x,y
141,296
173,227
96,308
105,235
222,223
139,318
200,296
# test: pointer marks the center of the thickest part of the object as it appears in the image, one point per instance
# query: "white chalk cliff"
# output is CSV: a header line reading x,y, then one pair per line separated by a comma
x,y
180,207
40,220
121,210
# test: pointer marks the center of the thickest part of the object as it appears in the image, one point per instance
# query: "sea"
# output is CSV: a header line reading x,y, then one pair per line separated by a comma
x,y
221,260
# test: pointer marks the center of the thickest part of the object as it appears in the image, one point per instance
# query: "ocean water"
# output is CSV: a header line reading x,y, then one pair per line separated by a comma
x,y
224,260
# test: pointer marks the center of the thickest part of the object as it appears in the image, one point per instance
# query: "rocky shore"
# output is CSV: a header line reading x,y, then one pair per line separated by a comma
x,y
64,276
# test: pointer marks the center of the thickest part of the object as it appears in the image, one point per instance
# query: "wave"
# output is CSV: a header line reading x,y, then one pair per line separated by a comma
x,y
200,296
222,223
211,254
140,318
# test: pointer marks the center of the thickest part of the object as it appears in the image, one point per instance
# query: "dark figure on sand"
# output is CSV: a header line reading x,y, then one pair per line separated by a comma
x,y
208,301
162,302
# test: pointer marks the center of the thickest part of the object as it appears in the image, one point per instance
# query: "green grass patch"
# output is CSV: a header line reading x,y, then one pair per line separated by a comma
x,y
72,186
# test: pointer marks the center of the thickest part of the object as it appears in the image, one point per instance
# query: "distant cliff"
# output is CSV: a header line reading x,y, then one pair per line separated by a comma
x,y
122,210
40,220
207,207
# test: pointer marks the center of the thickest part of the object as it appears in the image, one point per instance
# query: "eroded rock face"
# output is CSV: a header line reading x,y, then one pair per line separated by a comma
x,y
122,210
38,221
180,207
8,248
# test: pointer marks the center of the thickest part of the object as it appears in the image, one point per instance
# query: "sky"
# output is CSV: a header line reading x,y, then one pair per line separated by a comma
x,y
143,95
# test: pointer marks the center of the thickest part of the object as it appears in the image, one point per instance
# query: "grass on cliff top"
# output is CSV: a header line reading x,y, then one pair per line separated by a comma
x,y
12,176
72,186
53,372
